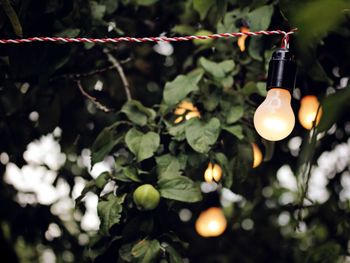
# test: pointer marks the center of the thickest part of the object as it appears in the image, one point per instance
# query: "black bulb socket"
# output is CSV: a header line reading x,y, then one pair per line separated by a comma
x,y
282,70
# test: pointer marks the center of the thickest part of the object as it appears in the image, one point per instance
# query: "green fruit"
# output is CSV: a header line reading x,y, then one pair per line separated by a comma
x,y
102,180
199,42
146,197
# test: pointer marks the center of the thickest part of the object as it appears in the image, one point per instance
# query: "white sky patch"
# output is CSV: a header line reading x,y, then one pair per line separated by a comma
x,y
45,151
286,178
228,197
34,181
90,220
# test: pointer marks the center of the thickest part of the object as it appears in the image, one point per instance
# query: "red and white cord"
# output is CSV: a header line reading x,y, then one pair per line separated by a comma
x,y
285,39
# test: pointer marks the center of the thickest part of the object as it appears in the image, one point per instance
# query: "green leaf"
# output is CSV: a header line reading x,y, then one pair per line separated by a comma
x,y
168,166
111,6
183,29
109,212
146,251
173,255
318,74
308,15
234,114
252,87
203,6
201,136
104,143
235,130
218,70
146,2
227,171
260,18
179,188
102,180
178,130
333,107
89,187
137,113
142,145
327,253
181,86
11,14
97,10
127,174
69,32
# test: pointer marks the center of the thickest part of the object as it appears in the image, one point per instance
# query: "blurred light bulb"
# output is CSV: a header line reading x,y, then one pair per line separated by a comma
x,y
187,108
211,222
257,155
213,173
308,110
274,119
241,39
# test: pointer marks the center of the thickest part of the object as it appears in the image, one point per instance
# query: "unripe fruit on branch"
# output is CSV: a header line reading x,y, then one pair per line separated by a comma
x,y
146,197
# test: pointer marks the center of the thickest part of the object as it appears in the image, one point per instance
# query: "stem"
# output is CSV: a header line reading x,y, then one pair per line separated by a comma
x,y
91,98
308,167
121,73
87,74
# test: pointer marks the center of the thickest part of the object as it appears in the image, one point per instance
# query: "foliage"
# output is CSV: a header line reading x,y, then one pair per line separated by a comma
x,y
146,146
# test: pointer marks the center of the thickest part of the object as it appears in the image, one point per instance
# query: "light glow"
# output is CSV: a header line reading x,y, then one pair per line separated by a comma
x,y
211,222
274,119
308,110
257,155
213,173
187,108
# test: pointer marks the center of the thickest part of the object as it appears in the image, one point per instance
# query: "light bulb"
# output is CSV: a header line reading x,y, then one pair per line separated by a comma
x,y
308,110
211,222
182,108
213,173
274,119
257,155
241,39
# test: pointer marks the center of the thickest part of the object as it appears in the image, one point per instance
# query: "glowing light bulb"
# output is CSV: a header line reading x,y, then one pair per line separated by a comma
x,y
274,119
187,108
211,222
257,155
308,110
213,173
241,39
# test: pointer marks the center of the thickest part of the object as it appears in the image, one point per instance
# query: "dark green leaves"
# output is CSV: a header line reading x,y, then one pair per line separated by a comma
x,y
181,86
235,130
97,11
143,145
146,2
234,114
332,108
307,15
137,113
217,70
11,14
168,166
146,251
179,188
203,6
260,18
109,211
201,136
104,144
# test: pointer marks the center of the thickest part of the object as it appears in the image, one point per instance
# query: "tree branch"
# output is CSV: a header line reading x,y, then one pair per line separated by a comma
x,y
120,71
87,74
91,98
306,174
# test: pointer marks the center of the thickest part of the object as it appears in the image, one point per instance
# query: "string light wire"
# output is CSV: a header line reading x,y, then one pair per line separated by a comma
x,y
285,40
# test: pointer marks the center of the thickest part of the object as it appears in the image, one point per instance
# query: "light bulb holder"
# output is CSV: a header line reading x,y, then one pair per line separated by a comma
x,y
282,70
